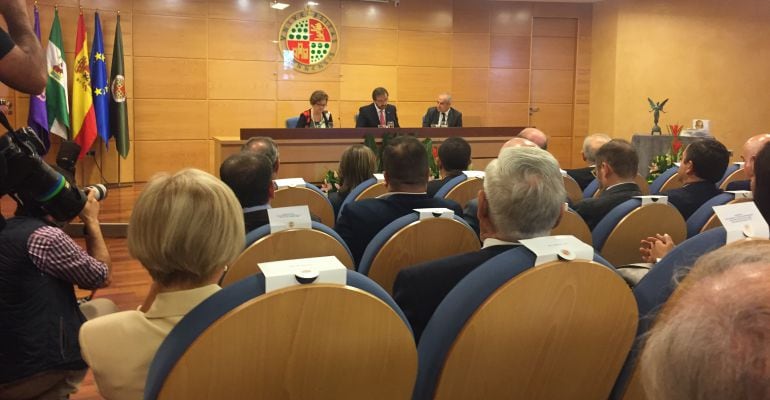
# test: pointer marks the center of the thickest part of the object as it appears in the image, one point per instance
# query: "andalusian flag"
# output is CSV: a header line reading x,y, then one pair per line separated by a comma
x,y
57,103
38,116
83,117
118,105
99,82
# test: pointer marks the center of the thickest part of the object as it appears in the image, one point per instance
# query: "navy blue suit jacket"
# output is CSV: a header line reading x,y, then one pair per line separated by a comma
x,y
739,185
368,117
690,197
594,209
361,220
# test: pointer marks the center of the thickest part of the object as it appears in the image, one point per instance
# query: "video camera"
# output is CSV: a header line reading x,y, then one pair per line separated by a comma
x,y
35,185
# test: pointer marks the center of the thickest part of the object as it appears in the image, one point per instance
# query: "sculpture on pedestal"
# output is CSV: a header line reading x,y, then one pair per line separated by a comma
x,y
656,109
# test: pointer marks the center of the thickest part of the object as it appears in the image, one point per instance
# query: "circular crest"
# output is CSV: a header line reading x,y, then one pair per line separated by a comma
x,y
312,38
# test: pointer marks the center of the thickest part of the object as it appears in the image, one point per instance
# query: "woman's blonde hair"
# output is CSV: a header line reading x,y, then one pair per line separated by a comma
x,y
357,164
186,226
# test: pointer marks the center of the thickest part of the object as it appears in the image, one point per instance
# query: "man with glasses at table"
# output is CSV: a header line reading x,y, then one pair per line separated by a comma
x,y
379,113
443,115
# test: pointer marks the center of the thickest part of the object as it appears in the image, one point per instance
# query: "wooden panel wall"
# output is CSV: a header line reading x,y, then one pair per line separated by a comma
x,y
203,68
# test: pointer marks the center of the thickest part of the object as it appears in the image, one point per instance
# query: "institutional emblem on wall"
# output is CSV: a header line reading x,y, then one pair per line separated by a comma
x,y
312,38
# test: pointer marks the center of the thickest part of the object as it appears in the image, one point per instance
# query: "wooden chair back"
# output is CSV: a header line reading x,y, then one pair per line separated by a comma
x,y
644,187
738,175
572,224
465,191
299,196
622,244
376,190
673,182
580,319
574,193
303,342
419,242
714,221
285,245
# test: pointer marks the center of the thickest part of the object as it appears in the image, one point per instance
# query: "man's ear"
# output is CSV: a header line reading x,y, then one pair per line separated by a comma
x,y
387,180
271,191
483,208
561,214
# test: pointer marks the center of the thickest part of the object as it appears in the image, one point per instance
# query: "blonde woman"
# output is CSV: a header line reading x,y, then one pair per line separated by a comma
x,y
357,164
184,229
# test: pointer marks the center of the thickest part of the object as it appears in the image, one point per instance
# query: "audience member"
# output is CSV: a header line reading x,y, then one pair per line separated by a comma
x,y
443,115
357,164
406,178
267,147
616,165
316,116
535,136
379,113
249,176
703,165
710,341
454,156
750,149
39,264
184,229
523,198
591,144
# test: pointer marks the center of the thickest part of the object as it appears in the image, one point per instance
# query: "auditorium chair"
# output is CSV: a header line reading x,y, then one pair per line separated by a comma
x,y
593,190
509,330
666,181
367,189
618,235
317,341
644,187
703,218
408,241
309,195
574,194
292,122
460,189
733,173
572,223
263,246
652,292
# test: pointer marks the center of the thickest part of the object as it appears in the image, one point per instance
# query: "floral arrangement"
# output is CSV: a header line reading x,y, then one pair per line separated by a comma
x,y
331,182
662,162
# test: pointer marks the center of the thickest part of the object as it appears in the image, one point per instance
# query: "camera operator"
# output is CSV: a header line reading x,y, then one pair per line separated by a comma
x,y
22,61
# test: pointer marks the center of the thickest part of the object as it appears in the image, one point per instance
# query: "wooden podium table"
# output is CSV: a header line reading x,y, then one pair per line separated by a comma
x,y
309,153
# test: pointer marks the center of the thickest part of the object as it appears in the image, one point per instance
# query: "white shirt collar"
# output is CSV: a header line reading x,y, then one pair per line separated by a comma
x,y
489,242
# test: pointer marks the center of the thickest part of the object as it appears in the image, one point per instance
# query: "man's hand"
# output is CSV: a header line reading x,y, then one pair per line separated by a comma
x,y
656,247
95,245
90,212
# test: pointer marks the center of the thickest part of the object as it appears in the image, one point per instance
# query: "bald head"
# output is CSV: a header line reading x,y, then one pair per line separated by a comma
x,y
750,150
536,136
591,145
518,142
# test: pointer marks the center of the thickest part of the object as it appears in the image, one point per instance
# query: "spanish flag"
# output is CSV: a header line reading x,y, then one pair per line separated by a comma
x,y
83,116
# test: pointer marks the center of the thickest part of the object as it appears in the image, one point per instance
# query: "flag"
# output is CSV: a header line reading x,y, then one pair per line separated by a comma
x,y
57,102
118,105
99,83
38,116
83,117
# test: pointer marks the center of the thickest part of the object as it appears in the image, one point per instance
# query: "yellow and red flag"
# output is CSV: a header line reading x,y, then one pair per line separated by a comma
x,y
83,116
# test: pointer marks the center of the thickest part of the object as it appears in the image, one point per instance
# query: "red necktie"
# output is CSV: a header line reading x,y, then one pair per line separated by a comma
x,y
382,117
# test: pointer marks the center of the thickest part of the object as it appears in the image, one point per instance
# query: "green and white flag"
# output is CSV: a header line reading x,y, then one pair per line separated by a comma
x,y
118,104
57,103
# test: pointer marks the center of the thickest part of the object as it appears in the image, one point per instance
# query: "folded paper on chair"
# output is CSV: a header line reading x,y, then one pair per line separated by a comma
x,y
474,174
303,271
284,218
289,182
429,213
559,247
742,220
741,194
647,200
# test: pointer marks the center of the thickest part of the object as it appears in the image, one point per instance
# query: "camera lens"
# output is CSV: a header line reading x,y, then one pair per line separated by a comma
x,y
100,191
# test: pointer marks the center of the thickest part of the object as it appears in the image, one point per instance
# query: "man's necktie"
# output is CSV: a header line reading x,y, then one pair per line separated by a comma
x,y
382,117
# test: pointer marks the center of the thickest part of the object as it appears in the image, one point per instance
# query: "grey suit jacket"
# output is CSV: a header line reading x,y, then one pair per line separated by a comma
x,y
454,117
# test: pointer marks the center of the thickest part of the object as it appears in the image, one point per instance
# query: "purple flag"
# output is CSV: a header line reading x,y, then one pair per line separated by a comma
x,y
38,116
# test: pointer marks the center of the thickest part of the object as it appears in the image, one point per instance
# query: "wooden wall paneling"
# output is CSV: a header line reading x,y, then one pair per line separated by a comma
x,y
511,18
348,111
242,10
195,8
584,53
107,5
507,114
508,85
470,84
552,86
555,27
227,117
561,148
471,16
62,3
580,124
108,20
243,40
509,51
553,53
169,156
470,50
428,49
474,112
562,10
368,46
582,86
554,119
577,151
169,78
368,15
68,18
410,113
332,73
358,81
241,80
428,16
171,119
423,83
301,90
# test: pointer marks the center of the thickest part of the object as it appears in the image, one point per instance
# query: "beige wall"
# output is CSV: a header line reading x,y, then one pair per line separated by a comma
x,y
203,68
710,57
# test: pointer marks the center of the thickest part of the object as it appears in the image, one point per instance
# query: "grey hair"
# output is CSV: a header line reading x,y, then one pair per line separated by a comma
x,y
525,191
263,145
448,97
589,150
711,340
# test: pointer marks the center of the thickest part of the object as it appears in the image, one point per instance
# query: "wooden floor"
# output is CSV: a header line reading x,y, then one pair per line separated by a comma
x,y
130,282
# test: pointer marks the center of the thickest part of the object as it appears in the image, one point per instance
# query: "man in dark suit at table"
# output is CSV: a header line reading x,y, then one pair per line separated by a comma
x,y
250,175
703,165
406,178
591,144
379,113
443,115
523,198
454,156
616,166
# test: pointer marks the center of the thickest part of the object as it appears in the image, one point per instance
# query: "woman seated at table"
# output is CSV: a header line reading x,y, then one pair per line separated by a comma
x,y
357,164
316,116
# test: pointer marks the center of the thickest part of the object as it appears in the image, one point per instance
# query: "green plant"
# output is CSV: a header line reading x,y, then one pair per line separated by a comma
x,y
331,182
